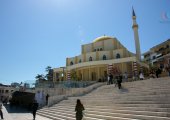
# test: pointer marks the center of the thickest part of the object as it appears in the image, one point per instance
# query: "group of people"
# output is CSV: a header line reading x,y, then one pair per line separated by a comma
x,y
117,80
155,73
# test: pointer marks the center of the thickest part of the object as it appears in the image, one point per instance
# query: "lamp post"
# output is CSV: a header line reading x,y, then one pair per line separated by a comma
x,y
63,72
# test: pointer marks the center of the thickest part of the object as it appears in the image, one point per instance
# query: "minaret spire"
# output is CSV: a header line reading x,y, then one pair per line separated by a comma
x,y
136,36
133,12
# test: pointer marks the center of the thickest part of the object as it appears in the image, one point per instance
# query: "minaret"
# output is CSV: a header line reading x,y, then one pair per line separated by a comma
x,y
136,36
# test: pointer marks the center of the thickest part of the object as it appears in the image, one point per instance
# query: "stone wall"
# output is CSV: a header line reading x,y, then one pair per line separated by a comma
x,y
62,94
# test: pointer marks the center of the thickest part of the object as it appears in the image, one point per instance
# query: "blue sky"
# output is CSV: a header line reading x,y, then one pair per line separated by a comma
x,y
38,33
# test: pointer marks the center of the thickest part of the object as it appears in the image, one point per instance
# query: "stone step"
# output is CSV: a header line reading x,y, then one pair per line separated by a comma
x,y
107,115
142,98
126,105
49,116
132,88
61,116
153,109
119,98
107,111
55,116
134,92
139,100
144,105
118,91
93,102
123,96
129,116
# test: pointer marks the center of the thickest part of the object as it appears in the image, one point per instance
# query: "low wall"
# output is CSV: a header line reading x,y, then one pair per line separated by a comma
x,y
70,92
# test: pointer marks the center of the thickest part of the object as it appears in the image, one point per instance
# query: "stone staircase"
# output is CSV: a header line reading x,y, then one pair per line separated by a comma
x,y
139,100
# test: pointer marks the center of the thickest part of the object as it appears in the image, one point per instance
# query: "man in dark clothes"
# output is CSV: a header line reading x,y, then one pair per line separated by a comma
x,y
158,71
47,99
1,113
34,108
110,79
119,81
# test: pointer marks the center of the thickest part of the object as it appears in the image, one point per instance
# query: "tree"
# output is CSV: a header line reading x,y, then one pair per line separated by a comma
x,y
40,77
49,74
73,75
48,68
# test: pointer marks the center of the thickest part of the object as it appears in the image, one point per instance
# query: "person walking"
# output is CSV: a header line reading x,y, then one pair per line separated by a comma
x,y
141,76
110,78
1,113
125,76
79,110
47,96
119,81
34,109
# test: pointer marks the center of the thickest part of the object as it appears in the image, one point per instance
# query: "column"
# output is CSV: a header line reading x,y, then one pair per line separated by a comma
x,y
135,70
98,73
82,74
89,74
122,68
68,75
110,68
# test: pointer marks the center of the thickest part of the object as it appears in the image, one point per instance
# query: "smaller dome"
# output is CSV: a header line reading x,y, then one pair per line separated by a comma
x,y
102,38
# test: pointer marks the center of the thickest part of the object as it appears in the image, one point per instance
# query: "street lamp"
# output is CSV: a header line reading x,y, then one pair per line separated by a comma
x,y
63,72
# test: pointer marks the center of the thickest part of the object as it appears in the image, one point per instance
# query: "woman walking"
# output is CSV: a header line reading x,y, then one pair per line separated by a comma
x,y
79,110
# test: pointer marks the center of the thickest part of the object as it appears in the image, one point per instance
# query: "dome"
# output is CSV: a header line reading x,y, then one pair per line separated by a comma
x,y
102,38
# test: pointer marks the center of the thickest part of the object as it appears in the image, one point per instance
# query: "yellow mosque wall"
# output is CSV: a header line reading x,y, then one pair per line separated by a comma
x,y
97,67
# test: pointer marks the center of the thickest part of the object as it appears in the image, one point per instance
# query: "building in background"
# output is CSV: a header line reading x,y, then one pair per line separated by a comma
x,y
6,91
159,55
103,56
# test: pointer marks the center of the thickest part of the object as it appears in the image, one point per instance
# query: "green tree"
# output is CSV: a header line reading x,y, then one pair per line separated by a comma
x,y
49,74
40,78
73,75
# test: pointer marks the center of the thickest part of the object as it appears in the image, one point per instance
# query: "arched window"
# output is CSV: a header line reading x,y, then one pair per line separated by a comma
x,y
71,63
94,50
101,49
98,49
104,57
80,61
117,55
90,58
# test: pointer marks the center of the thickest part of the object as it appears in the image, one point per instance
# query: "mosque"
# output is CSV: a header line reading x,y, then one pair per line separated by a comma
x,y
103,56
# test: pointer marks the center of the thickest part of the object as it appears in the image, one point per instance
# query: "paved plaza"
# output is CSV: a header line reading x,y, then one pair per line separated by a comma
x,y
26,116
19,114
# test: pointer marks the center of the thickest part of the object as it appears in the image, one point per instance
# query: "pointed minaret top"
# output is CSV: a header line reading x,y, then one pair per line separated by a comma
x,y
133,12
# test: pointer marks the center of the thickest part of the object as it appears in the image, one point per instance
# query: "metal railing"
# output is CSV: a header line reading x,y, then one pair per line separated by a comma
x,y
65,84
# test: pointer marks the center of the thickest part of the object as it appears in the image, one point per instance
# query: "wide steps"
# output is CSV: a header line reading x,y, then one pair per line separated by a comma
x,y
102,107
91,110
139,100
106,115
